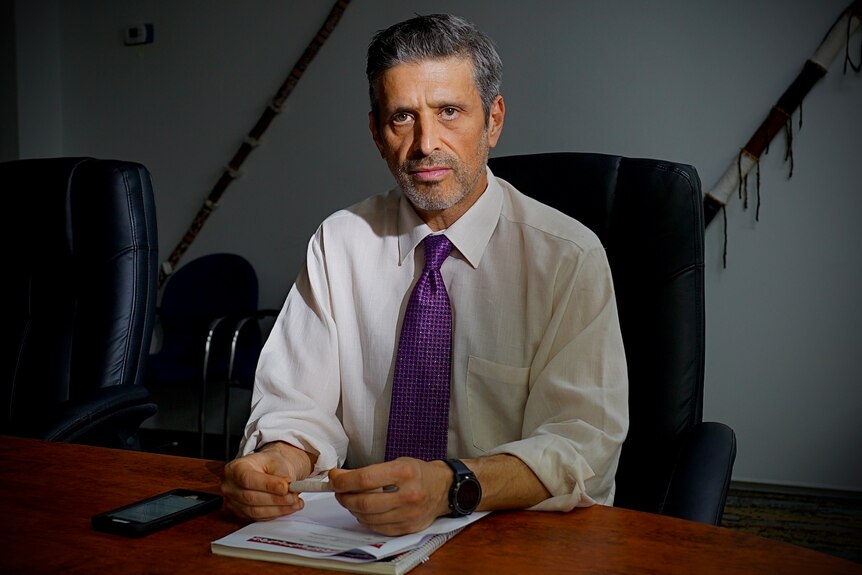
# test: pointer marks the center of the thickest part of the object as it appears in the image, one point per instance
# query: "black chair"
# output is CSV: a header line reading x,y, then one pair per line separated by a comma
x,y
202,302
649,216
82,269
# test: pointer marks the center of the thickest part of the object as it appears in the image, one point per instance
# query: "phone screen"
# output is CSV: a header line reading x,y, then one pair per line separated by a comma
x,y
157,512
150,510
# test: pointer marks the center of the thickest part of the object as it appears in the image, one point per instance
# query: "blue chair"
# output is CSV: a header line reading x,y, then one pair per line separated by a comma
x,y
245,348
201,303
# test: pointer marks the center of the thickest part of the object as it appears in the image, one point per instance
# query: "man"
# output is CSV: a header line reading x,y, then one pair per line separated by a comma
x,y
535,387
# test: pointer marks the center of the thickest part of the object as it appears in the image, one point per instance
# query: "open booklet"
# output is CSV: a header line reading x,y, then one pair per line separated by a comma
x,y
326,535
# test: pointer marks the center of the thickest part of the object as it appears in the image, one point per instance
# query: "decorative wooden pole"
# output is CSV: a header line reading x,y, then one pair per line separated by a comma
x,y
779,118
735,178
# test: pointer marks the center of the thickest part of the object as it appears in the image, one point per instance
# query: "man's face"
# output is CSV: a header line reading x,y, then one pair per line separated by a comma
x,y
433,133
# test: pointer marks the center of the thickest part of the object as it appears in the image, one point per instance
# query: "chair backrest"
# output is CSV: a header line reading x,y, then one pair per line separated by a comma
x,y
211,286
204,289
649,216
83,268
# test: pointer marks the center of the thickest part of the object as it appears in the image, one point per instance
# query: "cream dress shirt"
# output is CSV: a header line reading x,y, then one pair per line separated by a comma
x,y
538,367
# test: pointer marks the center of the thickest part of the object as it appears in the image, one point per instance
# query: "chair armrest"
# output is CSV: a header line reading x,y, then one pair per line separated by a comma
x,y
257,316
113,414
701,477
220,327
216,325
229,324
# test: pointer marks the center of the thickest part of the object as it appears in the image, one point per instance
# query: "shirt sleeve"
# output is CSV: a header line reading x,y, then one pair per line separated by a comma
x,y
297,383
576,415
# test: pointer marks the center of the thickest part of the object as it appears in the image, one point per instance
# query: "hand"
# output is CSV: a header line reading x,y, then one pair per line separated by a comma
x,y
256,486
421,497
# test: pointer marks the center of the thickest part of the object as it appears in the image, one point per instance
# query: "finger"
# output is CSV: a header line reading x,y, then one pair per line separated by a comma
x,y
365,503
246,475
251,497
259,504
379,476
262,512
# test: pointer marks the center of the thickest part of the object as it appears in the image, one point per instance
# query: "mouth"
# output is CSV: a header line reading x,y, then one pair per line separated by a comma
x,y
430,174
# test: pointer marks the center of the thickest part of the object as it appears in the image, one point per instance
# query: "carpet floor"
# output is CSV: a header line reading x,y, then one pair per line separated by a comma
x,y
825,521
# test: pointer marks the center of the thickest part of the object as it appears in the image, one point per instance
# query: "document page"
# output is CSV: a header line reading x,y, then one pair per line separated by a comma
x,y
325,529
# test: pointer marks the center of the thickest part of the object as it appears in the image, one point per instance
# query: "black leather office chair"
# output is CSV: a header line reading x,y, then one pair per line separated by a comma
x,y
82,265
649,216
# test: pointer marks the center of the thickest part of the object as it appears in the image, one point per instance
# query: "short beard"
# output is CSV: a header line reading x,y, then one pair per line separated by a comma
x,y
430,202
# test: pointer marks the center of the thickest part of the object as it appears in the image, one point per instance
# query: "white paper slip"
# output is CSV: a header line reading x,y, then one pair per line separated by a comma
x,y
309,486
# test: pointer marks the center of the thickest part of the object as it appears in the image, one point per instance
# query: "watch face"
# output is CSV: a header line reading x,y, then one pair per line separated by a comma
x,y
468,495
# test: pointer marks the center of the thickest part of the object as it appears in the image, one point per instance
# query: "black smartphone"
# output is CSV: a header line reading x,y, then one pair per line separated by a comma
x,y
157,512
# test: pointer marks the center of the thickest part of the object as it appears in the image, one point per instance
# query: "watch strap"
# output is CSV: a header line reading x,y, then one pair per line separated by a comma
x,y
459,468
463,475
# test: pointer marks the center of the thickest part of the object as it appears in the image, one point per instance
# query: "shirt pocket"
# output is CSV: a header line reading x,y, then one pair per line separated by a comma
x,y
496,396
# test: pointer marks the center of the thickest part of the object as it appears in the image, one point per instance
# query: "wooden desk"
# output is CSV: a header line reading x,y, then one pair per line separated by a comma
x,y
49,491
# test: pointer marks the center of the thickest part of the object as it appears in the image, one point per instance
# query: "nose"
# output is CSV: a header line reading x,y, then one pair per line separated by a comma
x,y
426,136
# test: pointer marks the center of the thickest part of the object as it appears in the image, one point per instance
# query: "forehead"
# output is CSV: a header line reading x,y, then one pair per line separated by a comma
x,y
428,81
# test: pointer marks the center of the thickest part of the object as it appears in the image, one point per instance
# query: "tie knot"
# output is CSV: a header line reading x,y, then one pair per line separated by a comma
x,y
437,249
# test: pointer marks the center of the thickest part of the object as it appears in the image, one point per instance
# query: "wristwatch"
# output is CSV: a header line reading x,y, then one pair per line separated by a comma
x,y
465,493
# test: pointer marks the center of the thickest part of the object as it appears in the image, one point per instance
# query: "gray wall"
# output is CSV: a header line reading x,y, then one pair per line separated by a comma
x,y
675,79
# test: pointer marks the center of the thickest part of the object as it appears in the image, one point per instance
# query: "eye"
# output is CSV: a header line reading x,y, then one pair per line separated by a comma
x,y
449,113
401,118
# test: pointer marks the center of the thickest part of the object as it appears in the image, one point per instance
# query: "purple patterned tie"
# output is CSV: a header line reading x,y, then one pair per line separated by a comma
x,y
419,416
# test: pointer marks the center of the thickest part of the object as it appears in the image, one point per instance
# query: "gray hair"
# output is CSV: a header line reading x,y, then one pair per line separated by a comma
x,y
433,37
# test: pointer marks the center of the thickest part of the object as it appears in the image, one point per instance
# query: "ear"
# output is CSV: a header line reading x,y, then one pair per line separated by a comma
x,y
375,132
496,117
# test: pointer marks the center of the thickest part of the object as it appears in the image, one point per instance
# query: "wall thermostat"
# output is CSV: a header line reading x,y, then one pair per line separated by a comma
x,y
139,34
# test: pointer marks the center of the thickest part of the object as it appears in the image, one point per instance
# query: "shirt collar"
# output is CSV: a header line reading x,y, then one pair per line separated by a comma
x,y
470,234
